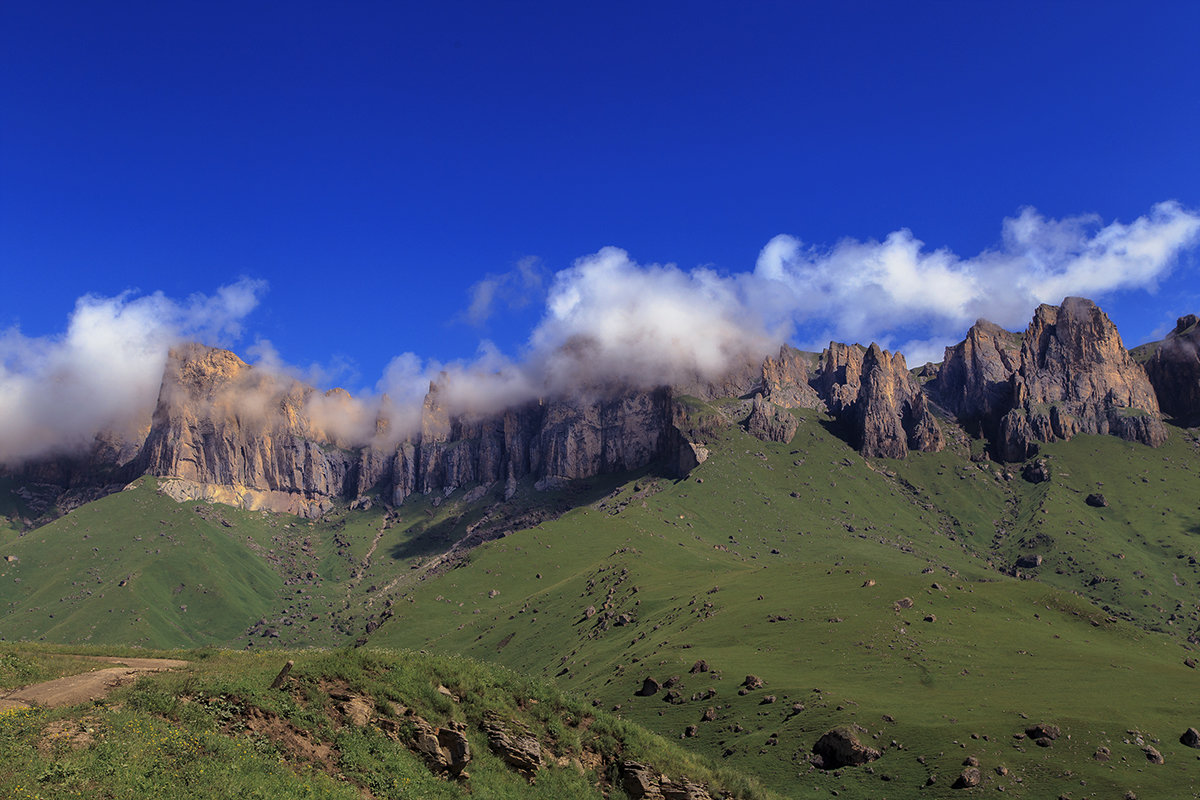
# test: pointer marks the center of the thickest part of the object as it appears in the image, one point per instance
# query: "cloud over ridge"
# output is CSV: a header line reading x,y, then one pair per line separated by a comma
x,y
607,319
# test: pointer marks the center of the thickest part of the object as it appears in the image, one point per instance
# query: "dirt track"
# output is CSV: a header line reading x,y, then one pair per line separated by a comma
x,y
84,687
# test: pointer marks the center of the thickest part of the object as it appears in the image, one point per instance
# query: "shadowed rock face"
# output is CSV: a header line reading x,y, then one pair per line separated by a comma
x,y
874,393
227,432
1174,369
1072,375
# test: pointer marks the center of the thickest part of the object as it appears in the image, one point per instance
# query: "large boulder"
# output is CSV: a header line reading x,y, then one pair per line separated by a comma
x,y
841,747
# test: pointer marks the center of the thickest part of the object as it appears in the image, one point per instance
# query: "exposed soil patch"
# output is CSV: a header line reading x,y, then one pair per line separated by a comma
x,y
87,686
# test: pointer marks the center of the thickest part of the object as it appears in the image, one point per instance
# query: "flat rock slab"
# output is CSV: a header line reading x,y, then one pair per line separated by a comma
x,y
86,686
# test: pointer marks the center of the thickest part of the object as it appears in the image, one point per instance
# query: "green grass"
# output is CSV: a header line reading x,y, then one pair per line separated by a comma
x,y
191,733
760,562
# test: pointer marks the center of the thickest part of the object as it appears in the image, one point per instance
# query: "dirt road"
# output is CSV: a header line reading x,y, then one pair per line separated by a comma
x,y
86,686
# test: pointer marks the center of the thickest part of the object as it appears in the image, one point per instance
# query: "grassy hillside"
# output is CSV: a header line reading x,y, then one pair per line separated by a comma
x,y
342,725
793,563
884,594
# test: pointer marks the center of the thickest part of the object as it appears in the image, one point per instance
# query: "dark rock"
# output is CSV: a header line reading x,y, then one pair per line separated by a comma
x,y
1152,755
1102,754
1029,561
840,747
1173,368
1043,731
513,743
1036,471
1190,738
1096,501
969,778
649,687
699,666
771,423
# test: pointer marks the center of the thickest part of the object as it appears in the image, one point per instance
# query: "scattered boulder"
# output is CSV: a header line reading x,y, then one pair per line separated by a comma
x,y
1152,755
1036,471
709,714
1190,738
639,781
1029,561
446,749
649,688
903,603
1043,731
768,700
690,731
518,749
969,778
1102,753
840,747
1096,500
699,666
753,682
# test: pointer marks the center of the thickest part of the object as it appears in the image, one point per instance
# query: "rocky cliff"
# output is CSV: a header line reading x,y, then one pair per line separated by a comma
x,y
225,431
1071,374
873,392
1173,366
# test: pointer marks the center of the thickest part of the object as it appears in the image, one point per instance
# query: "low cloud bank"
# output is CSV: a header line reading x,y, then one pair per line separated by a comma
x,y
606,319
103,373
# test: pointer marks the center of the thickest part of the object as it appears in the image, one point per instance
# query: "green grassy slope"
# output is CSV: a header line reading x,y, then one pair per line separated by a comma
x,y
786,561
762,563
217,730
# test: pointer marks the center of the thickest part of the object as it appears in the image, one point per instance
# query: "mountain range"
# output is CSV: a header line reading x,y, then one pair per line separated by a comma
x,y
825,571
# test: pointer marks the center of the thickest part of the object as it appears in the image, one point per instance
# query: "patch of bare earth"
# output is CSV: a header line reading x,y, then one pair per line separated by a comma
x,y
85,687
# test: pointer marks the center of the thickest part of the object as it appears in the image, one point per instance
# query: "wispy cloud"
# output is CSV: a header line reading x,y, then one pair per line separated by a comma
x,y
103,373
514,289
877,290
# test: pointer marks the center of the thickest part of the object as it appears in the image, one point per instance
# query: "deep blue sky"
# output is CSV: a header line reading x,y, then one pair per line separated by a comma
x,y
372,161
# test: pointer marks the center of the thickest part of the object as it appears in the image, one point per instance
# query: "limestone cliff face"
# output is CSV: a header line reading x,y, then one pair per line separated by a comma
x,y
873,392
1071,375
224,431
785,379
975,377
1173,366
869,390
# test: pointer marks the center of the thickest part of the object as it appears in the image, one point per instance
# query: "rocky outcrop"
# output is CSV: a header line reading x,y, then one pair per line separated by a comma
x,y
643,782
445,749
785,379
873,393
1071,375
1173,367
517,747
841,747
769,422
227,432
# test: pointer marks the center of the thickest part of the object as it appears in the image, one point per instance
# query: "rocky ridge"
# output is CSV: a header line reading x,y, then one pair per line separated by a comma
x,y
1173,366
228,432
1069,373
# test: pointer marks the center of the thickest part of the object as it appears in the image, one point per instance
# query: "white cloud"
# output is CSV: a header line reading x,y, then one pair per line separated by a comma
x,y
513,289
58,393
864,291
